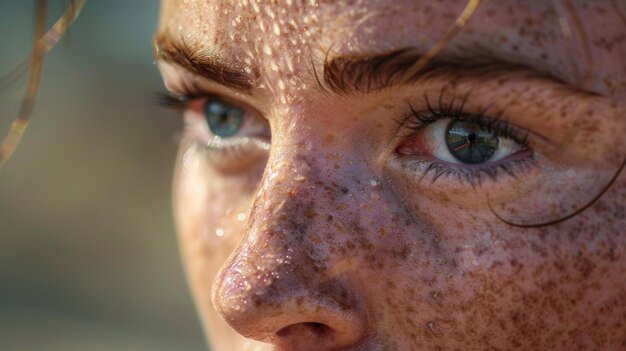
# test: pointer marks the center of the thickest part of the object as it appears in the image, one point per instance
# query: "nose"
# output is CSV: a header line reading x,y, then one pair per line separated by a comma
x,y
279,285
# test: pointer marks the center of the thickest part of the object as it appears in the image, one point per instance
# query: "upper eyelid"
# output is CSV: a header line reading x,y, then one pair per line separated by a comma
x,y
491,112
191,90
411,123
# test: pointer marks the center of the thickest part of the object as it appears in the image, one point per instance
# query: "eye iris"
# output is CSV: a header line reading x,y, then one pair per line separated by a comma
x,y
470,143
223,120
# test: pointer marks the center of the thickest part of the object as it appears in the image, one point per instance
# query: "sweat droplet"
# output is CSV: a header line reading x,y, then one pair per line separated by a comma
x,y
241,217
431,325
219,232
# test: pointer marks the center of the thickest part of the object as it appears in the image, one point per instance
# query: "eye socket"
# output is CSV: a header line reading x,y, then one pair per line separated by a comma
x,y
221,124
234,136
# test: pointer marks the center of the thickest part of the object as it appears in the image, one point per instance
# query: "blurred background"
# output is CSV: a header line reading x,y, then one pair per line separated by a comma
x,y
88,257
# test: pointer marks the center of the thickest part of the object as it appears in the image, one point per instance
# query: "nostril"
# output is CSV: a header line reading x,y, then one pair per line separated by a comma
x,y
318,329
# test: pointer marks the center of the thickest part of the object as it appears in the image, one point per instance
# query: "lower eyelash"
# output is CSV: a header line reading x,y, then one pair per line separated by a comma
x,y
226,154
474,176
218,143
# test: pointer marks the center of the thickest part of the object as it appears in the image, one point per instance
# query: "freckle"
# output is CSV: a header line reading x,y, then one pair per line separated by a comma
x,y
382,231
329,139
340,227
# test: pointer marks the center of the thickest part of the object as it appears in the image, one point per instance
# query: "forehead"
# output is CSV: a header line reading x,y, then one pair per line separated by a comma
x,y
352,26
286,36
343,26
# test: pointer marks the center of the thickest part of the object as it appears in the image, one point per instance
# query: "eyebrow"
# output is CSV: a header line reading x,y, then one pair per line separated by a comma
x,y
364,74
347,75
204,63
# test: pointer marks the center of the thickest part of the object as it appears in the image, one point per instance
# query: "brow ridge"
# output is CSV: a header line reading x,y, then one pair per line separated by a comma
x,y
364,74
205,63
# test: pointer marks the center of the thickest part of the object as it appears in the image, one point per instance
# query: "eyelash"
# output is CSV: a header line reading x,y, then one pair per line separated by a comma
x,y
415,122
180,100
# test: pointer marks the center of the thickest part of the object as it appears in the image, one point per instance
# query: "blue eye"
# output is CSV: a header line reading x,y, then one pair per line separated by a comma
x,y
223,119
470,143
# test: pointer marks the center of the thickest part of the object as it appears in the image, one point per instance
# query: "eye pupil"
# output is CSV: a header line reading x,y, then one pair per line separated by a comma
x,y
470,143
223,120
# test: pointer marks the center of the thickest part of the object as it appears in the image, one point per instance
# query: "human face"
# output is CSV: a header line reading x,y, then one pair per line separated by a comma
x,y
313,216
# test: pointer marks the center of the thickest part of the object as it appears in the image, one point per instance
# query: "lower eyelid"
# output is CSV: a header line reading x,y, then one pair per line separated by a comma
x,y
221,143
230,157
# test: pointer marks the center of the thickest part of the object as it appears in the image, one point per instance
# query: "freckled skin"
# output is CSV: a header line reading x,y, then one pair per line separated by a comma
x,y
331,243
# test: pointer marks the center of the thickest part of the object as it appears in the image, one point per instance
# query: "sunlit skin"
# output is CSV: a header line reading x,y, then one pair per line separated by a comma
x,y
338,236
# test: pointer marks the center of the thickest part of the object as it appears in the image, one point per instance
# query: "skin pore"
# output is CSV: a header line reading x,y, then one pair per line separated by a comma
x,y
333,218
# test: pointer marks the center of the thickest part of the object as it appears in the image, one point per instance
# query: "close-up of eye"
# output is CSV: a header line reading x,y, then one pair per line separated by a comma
x,y
465,142
232,136
454,143
224,120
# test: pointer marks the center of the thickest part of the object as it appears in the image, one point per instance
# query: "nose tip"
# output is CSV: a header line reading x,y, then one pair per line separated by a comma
x,y
290,310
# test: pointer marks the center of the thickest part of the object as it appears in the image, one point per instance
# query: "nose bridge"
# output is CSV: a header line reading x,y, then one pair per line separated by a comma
x,y
281,229
277,277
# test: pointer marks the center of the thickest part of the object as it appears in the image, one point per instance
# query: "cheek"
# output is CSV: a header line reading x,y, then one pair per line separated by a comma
x,y
211,212
486,281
